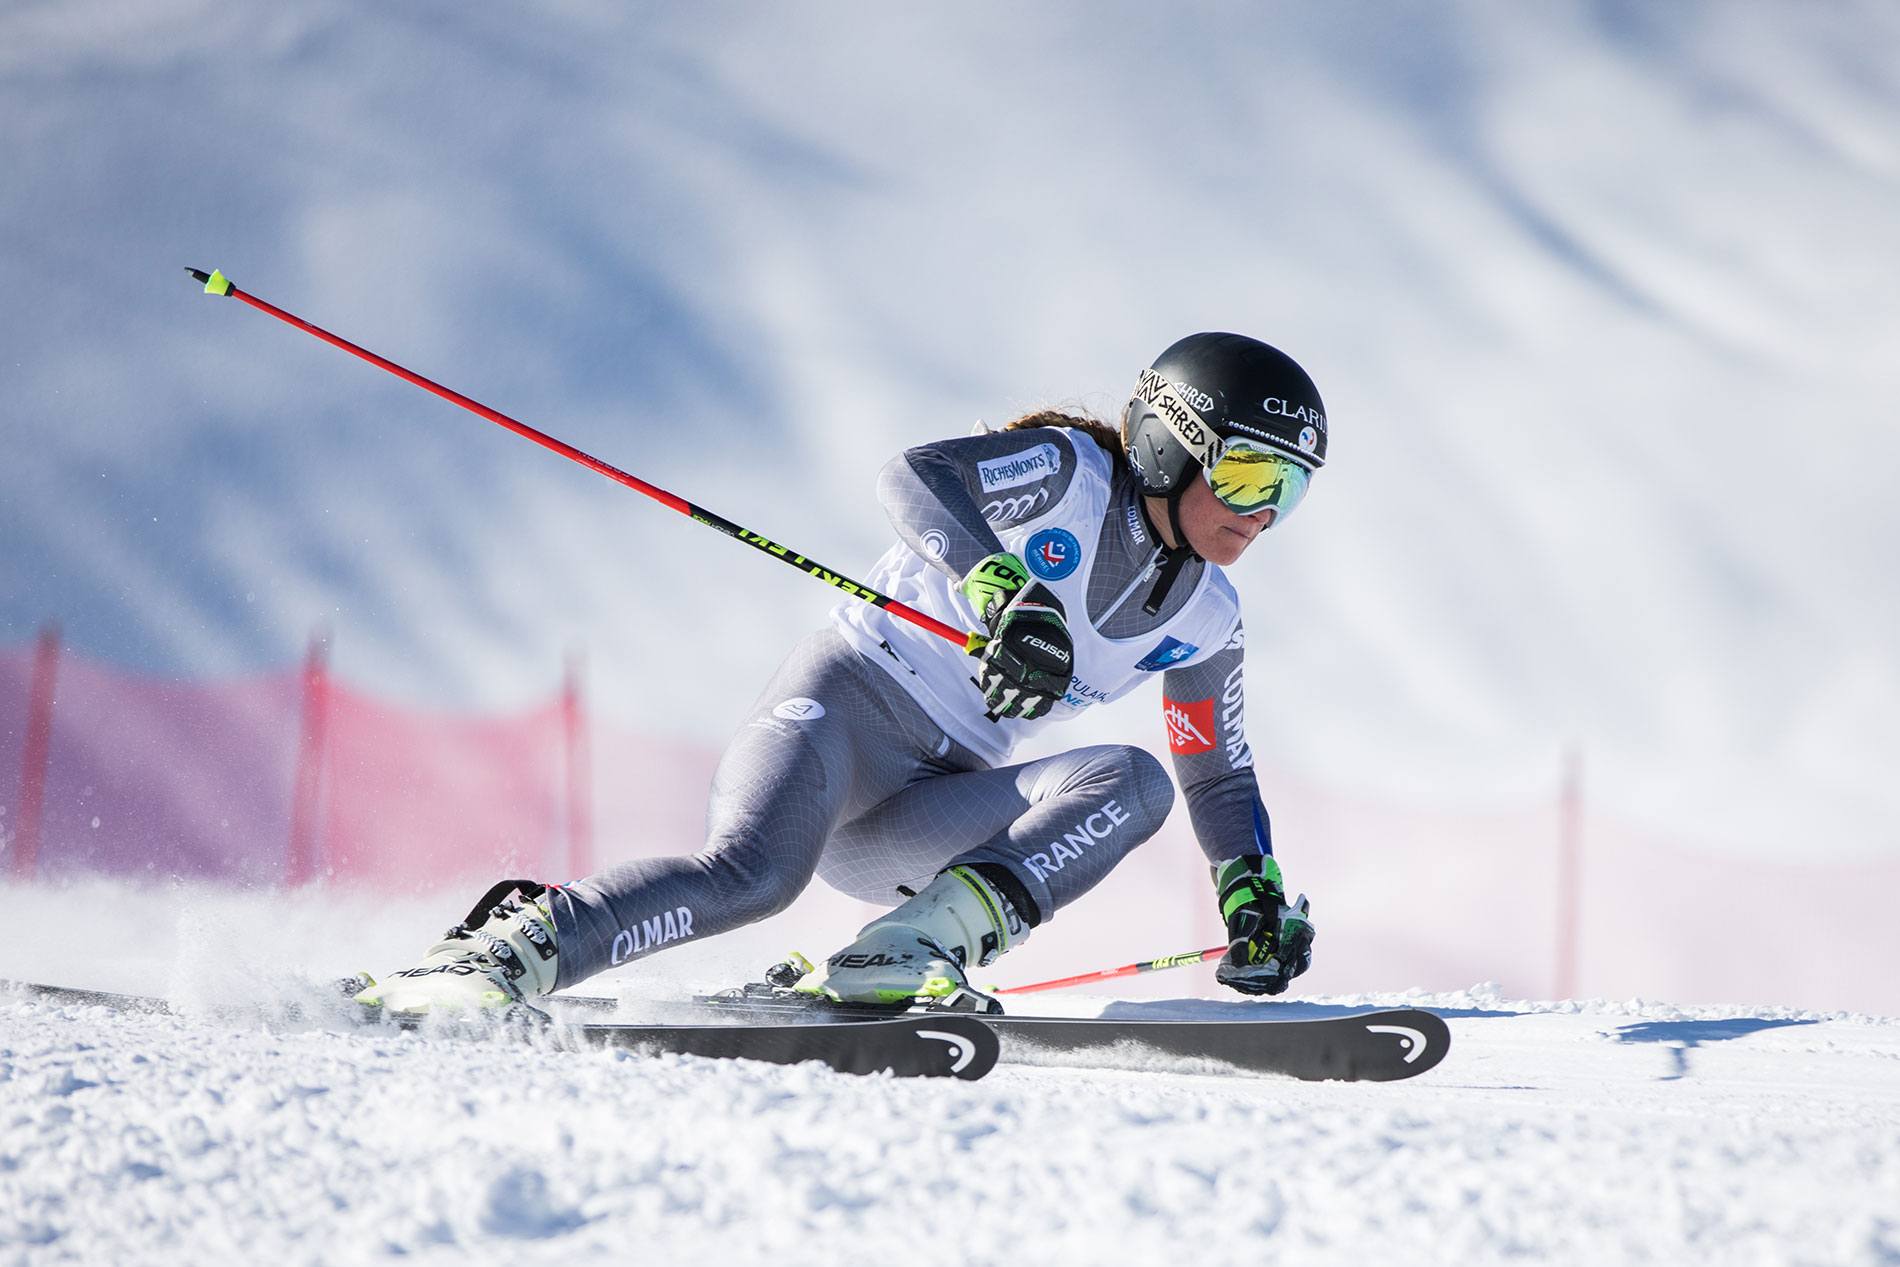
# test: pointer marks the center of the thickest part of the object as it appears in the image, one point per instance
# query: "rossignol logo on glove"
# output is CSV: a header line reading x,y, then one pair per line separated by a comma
x,y
1190,725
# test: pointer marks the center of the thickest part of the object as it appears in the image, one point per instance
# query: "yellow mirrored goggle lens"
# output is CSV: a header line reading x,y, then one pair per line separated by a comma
x,y
1250,477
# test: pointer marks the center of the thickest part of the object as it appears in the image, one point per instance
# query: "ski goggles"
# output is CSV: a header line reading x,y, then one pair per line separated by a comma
x,y
1249,477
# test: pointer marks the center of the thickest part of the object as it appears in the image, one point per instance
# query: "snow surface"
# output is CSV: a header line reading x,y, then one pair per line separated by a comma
x,y
1592,1131
1573,1132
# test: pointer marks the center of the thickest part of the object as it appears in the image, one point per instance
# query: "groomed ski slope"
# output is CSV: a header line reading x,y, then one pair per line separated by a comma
x,y
1574,1132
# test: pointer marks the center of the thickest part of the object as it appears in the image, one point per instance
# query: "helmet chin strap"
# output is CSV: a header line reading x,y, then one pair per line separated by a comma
x,y
1174,520
1174,558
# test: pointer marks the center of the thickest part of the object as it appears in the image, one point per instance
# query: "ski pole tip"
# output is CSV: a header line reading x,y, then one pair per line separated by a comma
x,y
215,283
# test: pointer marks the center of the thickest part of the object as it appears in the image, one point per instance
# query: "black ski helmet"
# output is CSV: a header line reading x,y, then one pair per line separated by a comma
x,y
1208,388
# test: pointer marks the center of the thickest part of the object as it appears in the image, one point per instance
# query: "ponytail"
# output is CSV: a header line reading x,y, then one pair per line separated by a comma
x,y
1094,428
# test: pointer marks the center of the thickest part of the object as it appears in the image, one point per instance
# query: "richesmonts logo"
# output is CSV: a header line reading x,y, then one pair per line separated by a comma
x,y
1021,468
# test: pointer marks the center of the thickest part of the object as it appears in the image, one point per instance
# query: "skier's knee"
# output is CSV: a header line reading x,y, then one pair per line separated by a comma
x,y
1144,789
759,884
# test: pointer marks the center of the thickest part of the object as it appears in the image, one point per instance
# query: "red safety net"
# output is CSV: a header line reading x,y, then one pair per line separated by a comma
x,y
285,778
410,798
153,778
291,778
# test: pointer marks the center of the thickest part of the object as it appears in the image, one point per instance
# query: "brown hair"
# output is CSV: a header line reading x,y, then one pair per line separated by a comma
x,y
1095,428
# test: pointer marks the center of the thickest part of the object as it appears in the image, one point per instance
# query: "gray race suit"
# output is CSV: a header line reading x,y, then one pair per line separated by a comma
x,y
870,761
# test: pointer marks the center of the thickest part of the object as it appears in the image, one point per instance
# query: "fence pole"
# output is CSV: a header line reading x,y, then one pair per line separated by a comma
x,y
578,766
1569,871
302,863
37,751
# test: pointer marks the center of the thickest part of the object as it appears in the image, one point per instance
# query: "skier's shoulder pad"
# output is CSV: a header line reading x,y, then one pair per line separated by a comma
x,y
1024,474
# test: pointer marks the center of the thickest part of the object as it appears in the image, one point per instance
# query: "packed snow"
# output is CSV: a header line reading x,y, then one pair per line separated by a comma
x,y
1592,1131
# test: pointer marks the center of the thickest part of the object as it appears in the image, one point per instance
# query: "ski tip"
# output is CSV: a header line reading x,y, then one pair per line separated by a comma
x,y
215,282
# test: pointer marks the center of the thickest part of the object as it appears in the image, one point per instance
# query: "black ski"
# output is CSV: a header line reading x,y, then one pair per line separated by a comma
x,y
919,1046
1370,1047
923,1045
1377,1046
786,1028
66,994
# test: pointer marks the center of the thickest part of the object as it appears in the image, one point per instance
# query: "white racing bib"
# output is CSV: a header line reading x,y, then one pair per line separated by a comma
x,y
1058,546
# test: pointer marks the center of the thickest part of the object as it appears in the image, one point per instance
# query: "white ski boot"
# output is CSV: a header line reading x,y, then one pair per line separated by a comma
x,y
496,960
922,950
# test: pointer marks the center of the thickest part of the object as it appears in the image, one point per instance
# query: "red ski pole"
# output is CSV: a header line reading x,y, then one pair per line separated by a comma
x,y
216,283
1127,970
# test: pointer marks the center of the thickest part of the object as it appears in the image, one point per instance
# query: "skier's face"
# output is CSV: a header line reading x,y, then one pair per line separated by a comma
x,y
1217,533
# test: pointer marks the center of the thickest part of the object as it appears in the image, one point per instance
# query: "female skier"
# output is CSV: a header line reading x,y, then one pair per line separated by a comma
x,y
877,758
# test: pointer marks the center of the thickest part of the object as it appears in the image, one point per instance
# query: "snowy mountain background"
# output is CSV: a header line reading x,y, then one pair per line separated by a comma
x,y
1601,298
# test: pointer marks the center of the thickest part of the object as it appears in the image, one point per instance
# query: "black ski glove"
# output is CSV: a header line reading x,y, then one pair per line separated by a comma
x,y
1030,659
1268,942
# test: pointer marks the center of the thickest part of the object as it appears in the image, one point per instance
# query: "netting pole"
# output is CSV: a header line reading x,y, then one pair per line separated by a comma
x,y
302,863
577,766
38,749
1569,873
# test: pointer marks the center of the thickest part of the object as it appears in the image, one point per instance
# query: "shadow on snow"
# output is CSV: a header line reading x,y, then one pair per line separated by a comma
x,y
1681,1036
1265,1010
